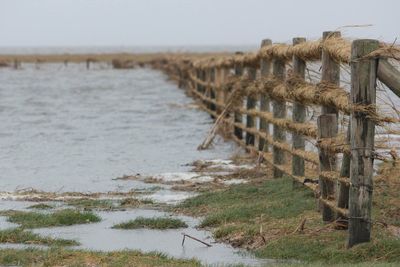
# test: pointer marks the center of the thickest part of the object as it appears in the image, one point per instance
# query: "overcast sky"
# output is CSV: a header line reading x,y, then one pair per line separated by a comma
x,y
189,22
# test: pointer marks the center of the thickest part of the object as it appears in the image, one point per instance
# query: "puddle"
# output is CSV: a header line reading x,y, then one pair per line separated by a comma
x,y
100,236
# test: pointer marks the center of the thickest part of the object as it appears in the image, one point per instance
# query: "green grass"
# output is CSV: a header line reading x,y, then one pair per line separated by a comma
x,y
64,257
152,223
21,236
58,218
264,217
330,248
243,203
108,204
41,206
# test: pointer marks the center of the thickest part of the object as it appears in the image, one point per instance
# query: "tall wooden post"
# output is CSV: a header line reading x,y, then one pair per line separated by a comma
x,y
203,78
251,104
198,86
327,128
224,76
343,192
299,114
203,88
237,115
220,77
212,90
331,75
363,91
330,69
16,64
217,88
265,71
279,111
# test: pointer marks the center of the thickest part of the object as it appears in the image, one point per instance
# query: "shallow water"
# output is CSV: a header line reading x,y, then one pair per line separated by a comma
x,y
101,237
72,129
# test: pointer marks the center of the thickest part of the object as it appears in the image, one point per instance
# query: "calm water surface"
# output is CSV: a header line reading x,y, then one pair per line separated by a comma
x,y
72,129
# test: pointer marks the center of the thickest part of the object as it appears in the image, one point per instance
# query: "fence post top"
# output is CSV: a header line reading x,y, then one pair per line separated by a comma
x,y
365,41
362,47
266,42
297,40
329,34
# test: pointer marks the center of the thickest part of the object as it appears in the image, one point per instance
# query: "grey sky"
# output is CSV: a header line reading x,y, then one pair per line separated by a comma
x,y
188,22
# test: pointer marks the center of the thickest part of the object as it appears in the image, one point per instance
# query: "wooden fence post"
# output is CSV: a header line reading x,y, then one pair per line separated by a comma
x,y
203,89
298,115
330,75
265,71
212,90
363,91
221,92
225,72
343,194
251,104
198,86
279,111
330,69
327,128
203,78
218,90
237,115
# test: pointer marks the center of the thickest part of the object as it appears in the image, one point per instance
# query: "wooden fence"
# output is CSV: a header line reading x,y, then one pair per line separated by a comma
x,y
250,92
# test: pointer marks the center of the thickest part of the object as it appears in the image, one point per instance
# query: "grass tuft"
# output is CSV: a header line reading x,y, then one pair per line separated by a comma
x,y
41,206
152,223
58,218
20,236
64,257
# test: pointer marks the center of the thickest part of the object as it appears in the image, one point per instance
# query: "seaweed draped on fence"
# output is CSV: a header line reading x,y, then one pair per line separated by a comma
x,y
249,93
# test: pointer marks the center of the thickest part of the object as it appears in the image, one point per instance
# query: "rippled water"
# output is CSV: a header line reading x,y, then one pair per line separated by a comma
x,y
72,129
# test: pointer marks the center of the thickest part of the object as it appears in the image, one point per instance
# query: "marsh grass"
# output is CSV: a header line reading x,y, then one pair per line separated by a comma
x,y
109,204
152,223
41,206
264,217
58,218
63,257
21,236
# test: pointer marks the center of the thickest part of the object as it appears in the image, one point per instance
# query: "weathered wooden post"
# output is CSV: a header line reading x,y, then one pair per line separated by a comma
x,y
327,128
363,92
251,104
16,64
198,85
203,78
298,115
279,111
220,76
207,88
330,69
237,115
330,75
212,90
265,71
343,192
224,76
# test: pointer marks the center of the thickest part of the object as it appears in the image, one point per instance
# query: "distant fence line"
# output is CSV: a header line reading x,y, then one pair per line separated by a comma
x,y
240,86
